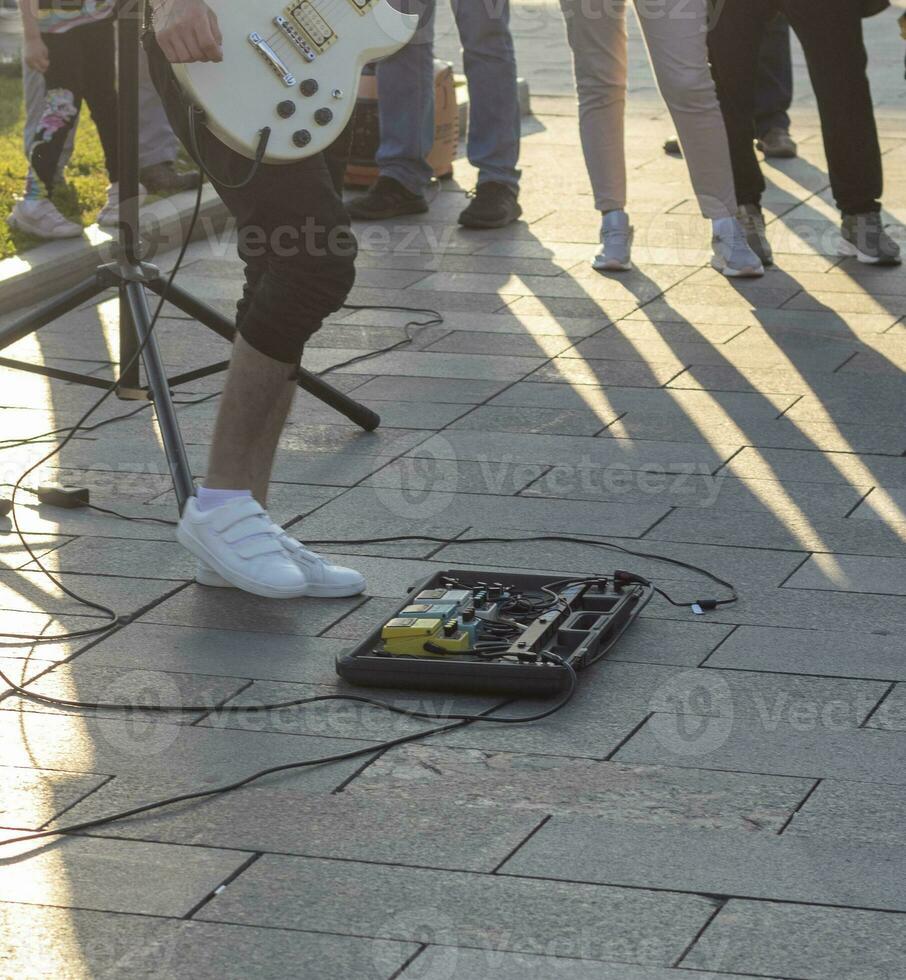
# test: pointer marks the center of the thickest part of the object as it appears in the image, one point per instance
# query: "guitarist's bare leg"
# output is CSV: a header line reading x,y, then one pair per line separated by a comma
x,y
256,401
299,256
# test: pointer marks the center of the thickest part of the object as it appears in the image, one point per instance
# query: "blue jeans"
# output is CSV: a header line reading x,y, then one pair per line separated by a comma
x,y
406,89
774,88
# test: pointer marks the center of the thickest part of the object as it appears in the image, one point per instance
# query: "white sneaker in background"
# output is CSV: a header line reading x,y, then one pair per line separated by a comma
x,y
616,243
733,257
42,219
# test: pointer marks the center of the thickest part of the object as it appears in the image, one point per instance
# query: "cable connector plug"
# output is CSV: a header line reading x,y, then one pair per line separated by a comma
x,y
701,606
57,495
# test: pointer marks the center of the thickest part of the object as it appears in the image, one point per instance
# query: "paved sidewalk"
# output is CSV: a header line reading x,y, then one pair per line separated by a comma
x,y
724,798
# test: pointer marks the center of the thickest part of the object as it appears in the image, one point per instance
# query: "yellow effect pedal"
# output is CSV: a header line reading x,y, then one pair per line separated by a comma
x,y
406,637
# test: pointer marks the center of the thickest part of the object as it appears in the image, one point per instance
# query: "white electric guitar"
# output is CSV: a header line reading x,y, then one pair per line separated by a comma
x,y
293,69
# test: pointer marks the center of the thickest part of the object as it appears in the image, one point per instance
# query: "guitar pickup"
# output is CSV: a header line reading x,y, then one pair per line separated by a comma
x,y
304,47
272,58
313,26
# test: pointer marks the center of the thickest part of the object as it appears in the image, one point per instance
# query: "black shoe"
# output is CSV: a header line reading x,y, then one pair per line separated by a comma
x,y
387,198
164,178
672,147
493,205
863,236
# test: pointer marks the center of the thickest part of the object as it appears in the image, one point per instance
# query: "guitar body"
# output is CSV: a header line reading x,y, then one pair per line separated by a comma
x,y
292,68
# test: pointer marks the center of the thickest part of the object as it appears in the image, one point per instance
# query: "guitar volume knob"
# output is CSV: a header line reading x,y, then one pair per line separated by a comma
x,y
302,138
323,116
309,87
286,109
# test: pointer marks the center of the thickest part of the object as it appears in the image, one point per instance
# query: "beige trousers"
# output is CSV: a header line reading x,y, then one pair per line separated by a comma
x,y
676,34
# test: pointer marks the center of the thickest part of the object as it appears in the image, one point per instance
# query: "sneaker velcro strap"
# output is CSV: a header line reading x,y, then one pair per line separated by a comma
x,y
245,529
257,546
230,514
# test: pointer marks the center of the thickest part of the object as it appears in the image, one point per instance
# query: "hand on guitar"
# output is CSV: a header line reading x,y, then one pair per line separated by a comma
x,y
187,31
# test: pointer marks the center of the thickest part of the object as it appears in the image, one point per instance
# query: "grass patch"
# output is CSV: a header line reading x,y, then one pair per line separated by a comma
x,y
85,191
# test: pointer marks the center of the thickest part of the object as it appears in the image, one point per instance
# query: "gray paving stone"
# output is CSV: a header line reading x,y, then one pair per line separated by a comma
x,y
114,876
419,774
706,494
412,473
450,909
783,464
802,651
858,812
572,451
455,391
882,504
534,420
83,944
805,746
231,609
134,559
153,761
679,644
420,834
220,652
728,862
775,434
376,512
789,529
522,966
802,941
31,592
32,797
528,345
40,624
848,573
891,713
628,373
478,367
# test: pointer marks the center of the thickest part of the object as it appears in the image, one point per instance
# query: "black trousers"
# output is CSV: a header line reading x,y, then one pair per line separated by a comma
x,y
82,68
774,82
831,35
293,230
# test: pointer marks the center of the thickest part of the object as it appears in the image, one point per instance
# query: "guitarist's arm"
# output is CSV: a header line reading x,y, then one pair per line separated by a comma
x,y
187,31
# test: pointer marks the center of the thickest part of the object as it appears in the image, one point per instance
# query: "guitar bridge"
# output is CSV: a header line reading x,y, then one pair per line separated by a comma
x,y
296,38
272,58
312,25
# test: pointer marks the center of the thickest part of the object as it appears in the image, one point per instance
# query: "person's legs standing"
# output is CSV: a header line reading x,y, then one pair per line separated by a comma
x,y
34,91
774,83
676,35
97,45
831,35
734,43
300,265
489,62
405,84
596,30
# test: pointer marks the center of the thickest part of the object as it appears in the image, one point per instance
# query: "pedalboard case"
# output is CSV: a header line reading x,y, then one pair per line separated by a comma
x,y
453,612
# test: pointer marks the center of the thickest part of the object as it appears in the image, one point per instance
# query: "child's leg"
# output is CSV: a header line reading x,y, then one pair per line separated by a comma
x,y
97,42
62,102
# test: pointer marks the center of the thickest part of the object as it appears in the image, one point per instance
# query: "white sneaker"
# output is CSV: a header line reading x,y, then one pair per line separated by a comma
x,y
324,580
732,254
616,243
42,219
110,213
241,544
